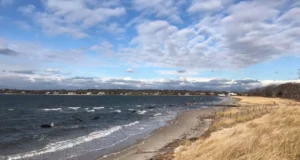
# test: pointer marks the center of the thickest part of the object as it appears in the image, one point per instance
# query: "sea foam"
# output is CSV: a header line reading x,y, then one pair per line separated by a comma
x,y
74,108
57,146
51,109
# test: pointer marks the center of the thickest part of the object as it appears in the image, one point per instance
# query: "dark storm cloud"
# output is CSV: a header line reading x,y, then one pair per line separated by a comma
x,y
8,52
24,71
181,71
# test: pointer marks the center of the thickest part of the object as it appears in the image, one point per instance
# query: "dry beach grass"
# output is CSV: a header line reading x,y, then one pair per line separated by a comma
x,y
260,128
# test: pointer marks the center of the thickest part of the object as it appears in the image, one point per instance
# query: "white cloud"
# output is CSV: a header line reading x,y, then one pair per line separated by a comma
x,y
42,81
205,5
27,9
23,25
72,17
6,2
129,70
160,8
250,32
180,73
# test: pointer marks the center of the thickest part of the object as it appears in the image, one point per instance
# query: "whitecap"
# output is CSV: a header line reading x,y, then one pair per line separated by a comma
x,y
138,105
58,146
117,111
141,112
98,108
74,108
132,124
89,110
130,109
157,114
10,109
51,109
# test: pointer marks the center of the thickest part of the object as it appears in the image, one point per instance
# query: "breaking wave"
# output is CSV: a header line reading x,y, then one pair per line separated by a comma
x,y
74,108
51,109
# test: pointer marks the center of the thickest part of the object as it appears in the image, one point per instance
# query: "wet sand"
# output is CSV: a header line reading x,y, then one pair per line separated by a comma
x,y
188,124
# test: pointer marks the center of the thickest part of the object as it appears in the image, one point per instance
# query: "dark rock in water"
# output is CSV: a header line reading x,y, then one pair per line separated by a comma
x,y
170,105
77,119
133,111
47,125
150,107
96,118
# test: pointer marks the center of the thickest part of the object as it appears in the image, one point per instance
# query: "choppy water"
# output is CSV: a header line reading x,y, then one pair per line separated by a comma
x,y
82,124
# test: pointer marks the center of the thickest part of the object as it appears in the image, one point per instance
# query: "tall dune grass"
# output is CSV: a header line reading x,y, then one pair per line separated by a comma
x,y
272,136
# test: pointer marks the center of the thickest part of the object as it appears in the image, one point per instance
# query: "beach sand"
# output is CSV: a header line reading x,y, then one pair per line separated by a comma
x,y
188,124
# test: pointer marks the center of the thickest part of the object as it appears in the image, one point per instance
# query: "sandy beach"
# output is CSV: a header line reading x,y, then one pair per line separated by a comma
x,y
189,124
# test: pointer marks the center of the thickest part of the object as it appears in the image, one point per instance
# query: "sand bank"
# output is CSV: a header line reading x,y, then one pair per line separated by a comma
x,y
188,124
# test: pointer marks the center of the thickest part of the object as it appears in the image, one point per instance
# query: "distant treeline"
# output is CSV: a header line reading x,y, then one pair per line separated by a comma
x,y
287,90
114,92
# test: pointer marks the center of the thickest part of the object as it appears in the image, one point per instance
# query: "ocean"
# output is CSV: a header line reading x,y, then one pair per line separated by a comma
x,y
84,127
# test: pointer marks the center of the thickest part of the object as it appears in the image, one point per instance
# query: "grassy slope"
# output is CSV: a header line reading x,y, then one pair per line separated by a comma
x,y
259,133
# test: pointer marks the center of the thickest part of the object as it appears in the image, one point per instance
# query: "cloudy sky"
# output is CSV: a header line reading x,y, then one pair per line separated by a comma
x,y
156,44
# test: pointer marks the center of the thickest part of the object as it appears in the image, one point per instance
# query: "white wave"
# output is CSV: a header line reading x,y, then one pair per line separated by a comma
x,y
138,105
98,108
10,109
89,110
141,112
130,109
51,109
157,114
132,124
57,146
74,108
117,111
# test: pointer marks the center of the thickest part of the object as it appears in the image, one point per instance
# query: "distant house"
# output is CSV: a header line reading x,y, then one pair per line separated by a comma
x,y
202,94
156,94
212,93
232,94
23,92
89,93
101,93
221,95
179,94
55,93
71,93
47,93
187,94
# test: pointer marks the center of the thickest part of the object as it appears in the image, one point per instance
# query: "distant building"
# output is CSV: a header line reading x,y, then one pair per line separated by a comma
x,y
71,93
156,94
179,94
187,94
47,93
101,93
212,93
221,95
55,93
89,93
202,94
232,94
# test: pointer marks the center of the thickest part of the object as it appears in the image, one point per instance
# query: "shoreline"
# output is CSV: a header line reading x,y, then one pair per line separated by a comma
x,y
189,124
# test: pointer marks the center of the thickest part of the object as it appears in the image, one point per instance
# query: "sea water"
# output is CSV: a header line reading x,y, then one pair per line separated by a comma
x,y
85,127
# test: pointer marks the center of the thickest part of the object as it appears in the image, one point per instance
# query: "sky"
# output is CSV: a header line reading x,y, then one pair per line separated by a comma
x,y
225,45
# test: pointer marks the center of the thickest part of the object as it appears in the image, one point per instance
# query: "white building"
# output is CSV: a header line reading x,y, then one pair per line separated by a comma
x,y
187,94
55,93
89,93
221,95
232,94
71,93
101,93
